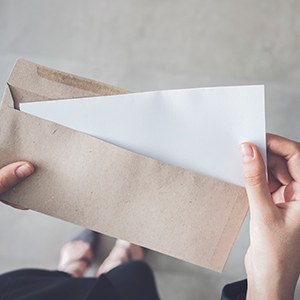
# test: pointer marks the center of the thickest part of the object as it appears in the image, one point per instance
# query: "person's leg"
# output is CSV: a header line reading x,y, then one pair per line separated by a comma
x,y
127,272
36,284
77,255
122,252
133,280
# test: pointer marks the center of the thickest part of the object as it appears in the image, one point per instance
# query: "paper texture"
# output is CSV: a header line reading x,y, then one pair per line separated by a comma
x,y
196,129
92,183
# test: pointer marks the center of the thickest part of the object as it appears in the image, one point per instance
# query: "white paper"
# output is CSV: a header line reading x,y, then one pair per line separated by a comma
x,y
197,129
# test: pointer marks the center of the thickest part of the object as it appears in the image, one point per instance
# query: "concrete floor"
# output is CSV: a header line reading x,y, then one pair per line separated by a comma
x,y
144,45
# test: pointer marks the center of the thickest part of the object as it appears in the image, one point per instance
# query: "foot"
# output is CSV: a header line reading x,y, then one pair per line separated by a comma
x,y
75,258
122,252
77,255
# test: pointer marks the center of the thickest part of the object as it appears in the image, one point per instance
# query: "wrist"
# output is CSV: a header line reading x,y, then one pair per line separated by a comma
x,y
273,287
280,294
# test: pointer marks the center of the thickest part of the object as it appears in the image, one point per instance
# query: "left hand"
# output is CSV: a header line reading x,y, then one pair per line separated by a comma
x,y
11,175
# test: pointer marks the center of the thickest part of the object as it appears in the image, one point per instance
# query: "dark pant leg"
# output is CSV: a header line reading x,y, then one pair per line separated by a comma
x,y
34,284
133,281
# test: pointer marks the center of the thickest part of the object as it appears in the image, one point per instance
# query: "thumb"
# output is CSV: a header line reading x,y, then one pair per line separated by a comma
x,y
13,173
260,199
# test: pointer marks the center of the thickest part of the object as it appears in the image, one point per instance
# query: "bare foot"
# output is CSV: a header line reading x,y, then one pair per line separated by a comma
x,y
75,258
122,252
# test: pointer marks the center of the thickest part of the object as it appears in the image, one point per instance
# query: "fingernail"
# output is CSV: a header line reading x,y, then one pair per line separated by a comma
x,y
247,152
24,171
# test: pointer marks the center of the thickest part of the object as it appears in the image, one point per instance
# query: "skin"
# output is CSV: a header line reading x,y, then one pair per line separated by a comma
x,y
119,254
12,174
272,261
72,252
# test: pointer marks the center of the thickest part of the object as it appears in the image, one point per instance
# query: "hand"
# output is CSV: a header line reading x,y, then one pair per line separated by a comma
x,y
272,261
11,175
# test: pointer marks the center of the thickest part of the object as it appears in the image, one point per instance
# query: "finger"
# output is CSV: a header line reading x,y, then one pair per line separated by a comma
x,y
292,210
278,195
14,173
292,192
273,183
282,146
288,149
259,196
278,167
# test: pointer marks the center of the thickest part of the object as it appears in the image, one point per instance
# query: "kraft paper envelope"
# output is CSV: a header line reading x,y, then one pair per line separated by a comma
x,y
92,183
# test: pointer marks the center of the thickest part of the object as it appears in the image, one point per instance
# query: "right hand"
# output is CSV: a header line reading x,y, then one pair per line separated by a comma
x,y
272,261
11,175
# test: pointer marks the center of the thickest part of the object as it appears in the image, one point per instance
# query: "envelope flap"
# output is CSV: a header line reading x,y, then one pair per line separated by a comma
x,y
7,99
32,82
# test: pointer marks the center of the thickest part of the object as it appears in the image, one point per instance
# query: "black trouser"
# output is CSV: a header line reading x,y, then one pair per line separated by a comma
x,y
133,280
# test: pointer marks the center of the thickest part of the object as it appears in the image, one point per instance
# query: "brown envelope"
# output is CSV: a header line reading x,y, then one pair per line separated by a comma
x,y
92,183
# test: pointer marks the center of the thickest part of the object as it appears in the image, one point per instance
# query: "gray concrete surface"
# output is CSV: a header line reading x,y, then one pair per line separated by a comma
x,y
144,45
